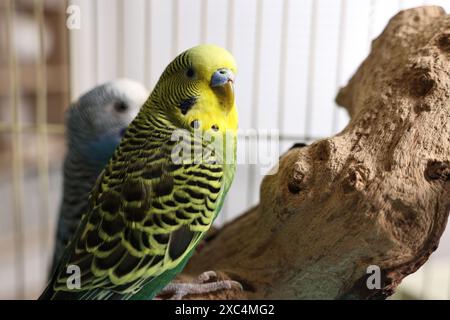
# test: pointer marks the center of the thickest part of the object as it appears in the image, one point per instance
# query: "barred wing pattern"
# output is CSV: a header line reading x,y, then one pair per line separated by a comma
x,y
145,215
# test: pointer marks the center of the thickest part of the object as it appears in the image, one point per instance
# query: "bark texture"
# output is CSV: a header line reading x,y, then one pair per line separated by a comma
x,y
378,193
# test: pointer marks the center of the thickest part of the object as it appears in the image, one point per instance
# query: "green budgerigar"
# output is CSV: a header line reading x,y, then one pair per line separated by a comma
x,y
154,201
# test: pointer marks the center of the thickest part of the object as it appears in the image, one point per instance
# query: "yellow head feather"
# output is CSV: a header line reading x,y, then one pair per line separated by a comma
x,y
188,93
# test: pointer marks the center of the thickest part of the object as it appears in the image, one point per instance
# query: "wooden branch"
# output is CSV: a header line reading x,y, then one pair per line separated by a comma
x,y
378,193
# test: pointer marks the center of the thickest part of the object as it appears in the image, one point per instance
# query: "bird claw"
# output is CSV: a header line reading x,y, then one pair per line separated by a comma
x,y
202,285
206,276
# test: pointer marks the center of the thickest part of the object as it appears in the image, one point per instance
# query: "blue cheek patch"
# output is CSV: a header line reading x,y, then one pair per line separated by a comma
x,y
187,104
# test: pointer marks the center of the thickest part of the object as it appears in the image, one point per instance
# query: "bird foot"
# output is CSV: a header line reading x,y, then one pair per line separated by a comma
x,y
205,283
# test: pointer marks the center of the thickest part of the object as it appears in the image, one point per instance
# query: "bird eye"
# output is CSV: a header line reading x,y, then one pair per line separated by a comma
x,y
120,106
190,73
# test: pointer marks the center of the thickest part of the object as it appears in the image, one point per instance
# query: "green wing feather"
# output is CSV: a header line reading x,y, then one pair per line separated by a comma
x,y
146,215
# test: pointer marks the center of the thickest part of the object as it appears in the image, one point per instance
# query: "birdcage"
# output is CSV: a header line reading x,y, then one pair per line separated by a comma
x,y
292,55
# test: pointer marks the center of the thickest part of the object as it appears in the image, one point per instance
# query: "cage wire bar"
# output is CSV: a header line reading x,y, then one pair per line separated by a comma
x,y
19,253
230,46
311,69
121,39
175,26
147,40
41,103
42,128
282,63
94,7
340,56
203,20
255,95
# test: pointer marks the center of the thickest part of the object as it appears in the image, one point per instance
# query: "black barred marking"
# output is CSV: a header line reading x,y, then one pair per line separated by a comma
x,y
83,262
134,190
173,167
145,239
201,174
126,265
95,217
112,227
161,238
215,169
179,198
203,186
156,259
139,126
131,148
187,104
164,187
157,205
109,245
134,238
127,135
191,210
110,202
179,241
213,200
111,260
209,207
93,239
116,166
154,156
136,166
152,172
143,135
157,221
134,214
138,140
200,221
180,178
117,175
133,129
170,203
147,258
181,215
194,194
149,223
171,142
168,220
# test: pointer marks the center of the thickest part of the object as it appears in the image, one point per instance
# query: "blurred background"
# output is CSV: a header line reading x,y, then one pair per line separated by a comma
x,y
292,56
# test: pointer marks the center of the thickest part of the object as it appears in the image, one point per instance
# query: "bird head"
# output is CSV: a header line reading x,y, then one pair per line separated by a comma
x,y
197,89
97,121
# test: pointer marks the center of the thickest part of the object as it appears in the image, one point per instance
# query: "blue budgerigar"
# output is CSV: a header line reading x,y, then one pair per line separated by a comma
x,y
95,125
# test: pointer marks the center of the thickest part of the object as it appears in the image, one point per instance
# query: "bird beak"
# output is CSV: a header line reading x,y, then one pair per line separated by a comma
x,y
222,83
